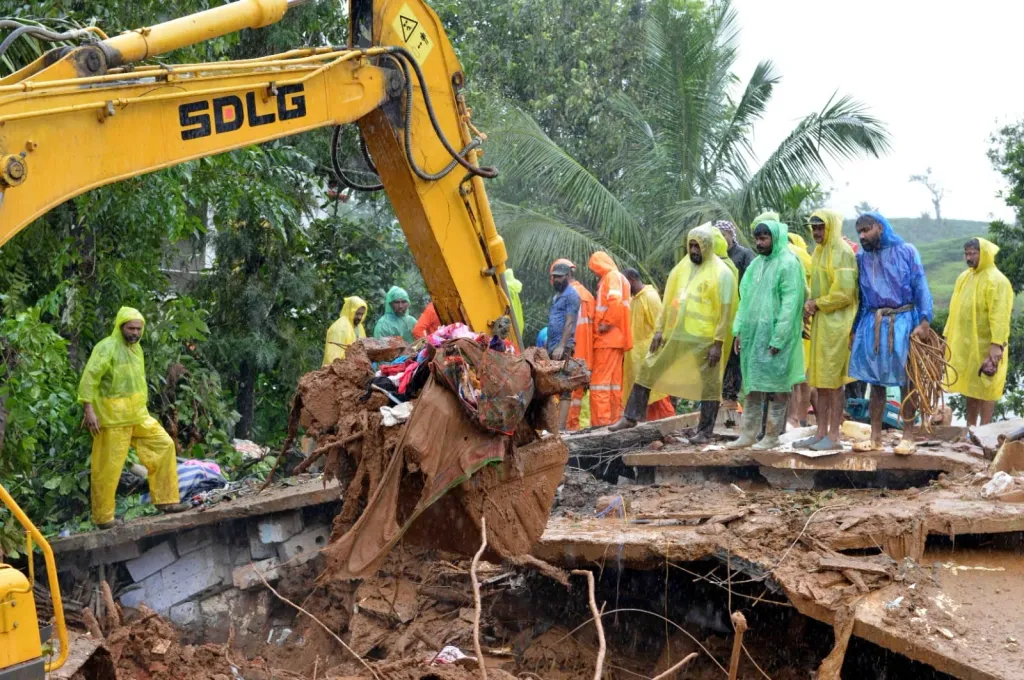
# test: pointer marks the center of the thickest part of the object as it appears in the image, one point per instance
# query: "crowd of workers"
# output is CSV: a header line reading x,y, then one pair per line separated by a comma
x,y
783,326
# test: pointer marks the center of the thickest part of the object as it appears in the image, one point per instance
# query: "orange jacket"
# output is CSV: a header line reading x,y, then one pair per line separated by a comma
x,y
585,325
612,306
427,323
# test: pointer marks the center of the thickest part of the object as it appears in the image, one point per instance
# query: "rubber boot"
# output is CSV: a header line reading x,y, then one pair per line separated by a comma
x,y
751,421
773,428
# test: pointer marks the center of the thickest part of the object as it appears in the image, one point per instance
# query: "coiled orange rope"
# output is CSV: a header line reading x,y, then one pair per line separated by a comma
x,y
929,375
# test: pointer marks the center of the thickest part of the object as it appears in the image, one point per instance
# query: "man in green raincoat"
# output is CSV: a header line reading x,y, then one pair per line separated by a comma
x,y
396,320
767,330
113,393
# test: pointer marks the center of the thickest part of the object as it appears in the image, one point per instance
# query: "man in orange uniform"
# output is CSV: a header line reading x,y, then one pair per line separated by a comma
x,y
584,343
612,339
427,323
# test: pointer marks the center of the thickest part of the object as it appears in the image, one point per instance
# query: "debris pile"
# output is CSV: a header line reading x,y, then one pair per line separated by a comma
x,y
477,444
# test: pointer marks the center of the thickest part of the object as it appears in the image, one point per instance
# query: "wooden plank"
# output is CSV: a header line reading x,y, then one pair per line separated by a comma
x,y
843,562
312,492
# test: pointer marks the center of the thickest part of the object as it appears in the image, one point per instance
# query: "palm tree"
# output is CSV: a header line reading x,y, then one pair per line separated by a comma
x,y
686,153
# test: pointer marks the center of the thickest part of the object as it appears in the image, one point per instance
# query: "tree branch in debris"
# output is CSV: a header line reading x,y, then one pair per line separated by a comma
x,y
476,598
602,647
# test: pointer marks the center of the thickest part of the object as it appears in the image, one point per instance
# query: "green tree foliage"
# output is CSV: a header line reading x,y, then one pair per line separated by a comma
x,y
686,155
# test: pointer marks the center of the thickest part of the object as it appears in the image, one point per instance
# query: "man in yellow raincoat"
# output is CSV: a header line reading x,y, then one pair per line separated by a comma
x,y
114,394
644,310
978,329
515,288
685,356
346,330
831,308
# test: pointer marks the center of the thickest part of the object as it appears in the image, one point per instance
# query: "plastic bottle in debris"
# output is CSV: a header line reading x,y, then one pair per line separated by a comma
x,y
998,485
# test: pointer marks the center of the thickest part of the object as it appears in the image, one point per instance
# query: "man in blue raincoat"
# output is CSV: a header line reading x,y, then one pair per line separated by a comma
x,y
894,304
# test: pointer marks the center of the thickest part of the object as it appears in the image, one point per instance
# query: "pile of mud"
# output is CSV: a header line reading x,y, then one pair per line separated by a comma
x,y
434,479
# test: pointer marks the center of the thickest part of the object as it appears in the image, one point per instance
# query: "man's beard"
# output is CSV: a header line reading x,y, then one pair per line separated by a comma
x,y
870,244
560,287
766,250
696,258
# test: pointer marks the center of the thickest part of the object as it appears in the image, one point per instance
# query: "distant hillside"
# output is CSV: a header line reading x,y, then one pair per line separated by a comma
x,y
920,231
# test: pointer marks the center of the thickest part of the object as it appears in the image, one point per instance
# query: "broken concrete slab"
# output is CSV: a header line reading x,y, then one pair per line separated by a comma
x,y
988,436
285,497
115,553
279,528
252,575
153,560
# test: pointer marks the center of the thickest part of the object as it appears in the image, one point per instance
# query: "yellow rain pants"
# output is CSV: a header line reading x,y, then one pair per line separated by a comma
x,y
979,316
109,451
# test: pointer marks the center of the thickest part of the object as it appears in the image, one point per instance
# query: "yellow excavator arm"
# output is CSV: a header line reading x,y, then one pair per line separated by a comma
x,y
80,118
76,119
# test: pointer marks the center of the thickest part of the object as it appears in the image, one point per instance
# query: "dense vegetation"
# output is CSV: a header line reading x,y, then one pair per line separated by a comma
x,y
617,125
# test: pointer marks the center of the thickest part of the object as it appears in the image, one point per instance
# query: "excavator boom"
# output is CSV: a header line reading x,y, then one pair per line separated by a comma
x,y
80,118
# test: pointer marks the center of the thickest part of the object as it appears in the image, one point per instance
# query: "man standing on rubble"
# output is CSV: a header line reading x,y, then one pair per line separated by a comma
x,y
396,320
768,330
895,303
561,330
831,308
685,358
346,330
114,395
613,337
579,409
644,310
977,331
741,257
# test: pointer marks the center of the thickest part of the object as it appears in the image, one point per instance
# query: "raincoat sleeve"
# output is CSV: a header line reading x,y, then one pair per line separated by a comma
x,y
791,299
427,323
95,369
671,290
726,296
737,323
919,285
843,291
1000,306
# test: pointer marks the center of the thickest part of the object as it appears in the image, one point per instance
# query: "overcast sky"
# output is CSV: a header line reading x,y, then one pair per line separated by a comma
x,y
943,75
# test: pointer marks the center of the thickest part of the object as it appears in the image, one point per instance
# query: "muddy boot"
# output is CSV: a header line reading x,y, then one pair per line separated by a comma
x,y
773,427
751,421
706,427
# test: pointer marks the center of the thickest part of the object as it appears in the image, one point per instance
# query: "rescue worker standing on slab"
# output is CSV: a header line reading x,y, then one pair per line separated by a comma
x,y
579,409
831,308
768,330
613,337
346,330
977,331
685,358
396,320
644,310
114,394
895,303
561,329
